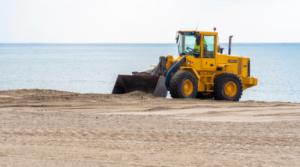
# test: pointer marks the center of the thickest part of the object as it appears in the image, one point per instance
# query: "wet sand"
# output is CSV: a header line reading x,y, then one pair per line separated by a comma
x,y
53,128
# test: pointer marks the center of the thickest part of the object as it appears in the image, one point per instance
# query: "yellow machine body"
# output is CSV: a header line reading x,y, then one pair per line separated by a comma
x,y
206,69
200,71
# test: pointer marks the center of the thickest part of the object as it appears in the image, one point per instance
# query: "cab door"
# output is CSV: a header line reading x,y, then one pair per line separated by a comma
x,y
208,52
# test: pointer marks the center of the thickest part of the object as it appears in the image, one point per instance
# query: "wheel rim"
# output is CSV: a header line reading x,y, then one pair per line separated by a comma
x,y
187,87
230,89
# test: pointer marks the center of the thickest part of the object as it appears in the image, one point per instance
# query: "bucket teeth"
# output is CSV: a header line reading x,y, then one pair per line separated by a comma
x,y
144,83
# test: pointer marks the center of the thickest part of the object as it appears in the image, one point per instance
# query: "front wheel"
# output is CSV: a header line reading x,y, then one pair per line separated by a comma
x,y
228,87
183,85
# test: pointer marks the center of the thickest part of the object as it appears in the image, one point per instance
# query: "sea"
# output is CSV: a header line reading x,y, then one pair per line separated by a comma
x,y
93,68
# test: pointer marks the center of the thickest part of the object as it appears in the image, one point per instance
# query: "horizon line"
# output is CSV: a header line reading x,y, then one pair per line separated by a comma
x,y
125,43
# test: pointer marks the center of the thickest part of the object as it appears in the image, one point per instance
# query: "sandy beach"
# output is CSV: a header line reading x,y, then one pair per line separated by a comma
x,y
53,128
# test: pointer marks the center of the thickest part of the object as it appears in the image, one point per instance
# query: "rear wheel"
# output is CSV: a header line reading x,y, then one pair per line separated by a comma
x,y
228,87
183,85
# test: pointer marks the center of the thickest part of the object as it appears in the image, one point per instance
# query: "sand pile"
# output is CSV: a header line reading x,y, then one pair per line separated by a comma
x,y
136,100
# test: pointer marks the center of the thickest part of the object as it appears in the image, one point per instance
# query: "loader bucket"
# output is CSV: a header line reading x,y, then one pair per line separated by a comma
x,y
145,83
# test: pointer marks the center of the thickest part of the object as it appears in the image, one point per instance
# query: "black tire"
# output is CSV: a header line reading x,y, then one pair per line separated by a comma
x,y
177,81
205,95
219,88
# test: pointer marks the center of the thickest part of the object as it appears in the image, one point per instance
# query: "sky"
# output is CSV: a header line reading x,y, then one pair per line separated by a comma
x,y
146,21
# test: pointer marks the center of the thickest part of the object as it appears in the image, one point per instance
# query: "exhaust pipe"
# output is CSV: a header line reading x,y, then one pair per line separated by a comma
x,y
230,43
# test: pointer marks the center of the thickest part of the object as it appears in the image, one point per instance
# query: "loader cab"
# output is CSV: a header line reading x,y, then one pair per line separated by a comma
x,y
198,44
189,43
202,45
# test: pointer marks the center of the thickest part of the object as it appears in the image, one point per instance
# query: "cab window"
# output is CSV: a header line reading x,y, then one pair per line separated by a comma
x,y
209,46
189,44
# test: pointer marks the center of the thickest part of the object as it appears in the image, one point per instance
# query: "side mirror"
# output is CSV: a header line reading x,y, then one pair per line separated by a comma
x,y
177,38
220,49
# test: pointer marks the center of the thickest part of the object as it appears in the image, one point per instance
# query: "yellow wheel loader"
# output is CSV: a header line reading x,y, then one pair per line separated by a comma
x,y
200,71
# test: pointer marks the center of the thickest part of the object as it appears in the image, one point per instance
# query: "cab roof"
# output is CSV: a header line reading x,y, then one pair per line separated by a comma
x,y
198,32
